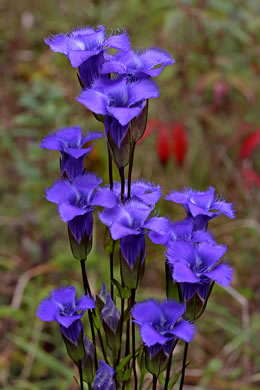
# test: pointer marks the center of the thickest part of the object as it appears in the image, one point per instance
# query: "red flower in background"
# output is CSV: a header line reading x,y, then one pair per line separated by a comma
x,y
170,140
250,176
179,142
163,144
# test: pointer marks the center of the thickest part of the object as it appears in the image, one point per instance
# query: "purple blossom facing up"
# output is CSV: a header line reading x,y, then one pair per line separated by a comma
x,y
201,206
119,101
105,377
76,201
141,190
86,46
129,223
195,266
63,307
182,231
70,142
138,64
161,323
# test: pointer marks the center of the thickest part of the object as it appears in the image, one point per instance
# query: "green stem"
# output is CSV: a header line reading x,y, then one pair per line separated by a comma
x,y
80,375
121,329
154,381
130,169
84,277
133,341
169,366
184,365
122,177
111,256
88,291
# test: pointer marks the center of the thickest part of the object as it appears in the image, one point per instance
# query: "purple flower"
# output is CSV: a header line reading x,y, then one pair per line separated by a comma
x,y
119,101
62,306
194,266
141,190
85,47
138,64
105,377
161,323
70,142
76,201
201,206
129,223
182,231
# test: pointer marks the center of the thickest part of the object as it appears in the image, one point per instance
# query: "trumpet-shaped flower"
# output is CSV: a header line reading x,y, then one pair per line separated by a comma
x,y
138,64
119,101
70,142
196,266
63,307
105,377
85,47
201,206
129,223
161,323
76,201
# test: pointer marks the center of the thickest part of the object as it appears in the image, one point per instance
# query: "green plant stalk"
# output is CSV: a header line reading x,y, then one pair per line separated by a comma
x,y
88,291
184,365
80,375
133,341
130,169
154,381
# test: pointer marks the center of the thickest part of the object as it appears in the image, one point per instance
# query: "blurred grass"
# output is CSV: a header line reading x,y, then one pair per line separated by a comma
x,y
214,43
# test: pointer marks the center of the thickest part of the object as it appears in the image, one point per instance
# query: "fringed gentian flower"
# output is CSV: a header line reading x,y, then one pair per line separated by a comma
x,y
160,326
76,201
61,306
119,101
138,64
105,377
70,142
195,267
129,223
201,206
181,231
141,190
85,47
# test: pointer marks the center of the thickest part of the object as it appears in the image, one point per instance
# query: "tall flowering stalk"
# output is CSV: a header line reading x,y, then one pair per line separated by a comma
x,y
116,87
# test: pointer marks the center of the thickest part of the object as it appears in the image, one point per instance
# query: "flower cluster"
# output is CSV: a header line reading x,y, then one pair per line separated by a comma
x,y
116,86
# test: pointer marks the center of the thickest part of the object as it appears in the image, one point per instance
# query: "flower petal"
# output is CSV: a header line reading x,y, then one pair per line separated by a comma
x,y
142,90
124,115
118,41
67,321
94,100
47,309
64,296
84,303
117,231
210,254
172,310
61,191
224,208
58,43
131,247
150,336
158,225
183,273
147,311
105,198
67,211
184,330
222,274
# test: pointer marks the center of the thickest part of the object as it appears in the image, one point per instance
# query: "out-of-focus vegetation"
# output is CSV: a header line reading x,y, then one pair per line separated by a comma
x,y
213,90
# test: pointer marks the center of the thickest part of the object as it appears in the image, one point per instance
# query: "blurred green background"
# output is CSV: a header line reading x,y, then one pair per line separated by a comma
x,y
213,90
